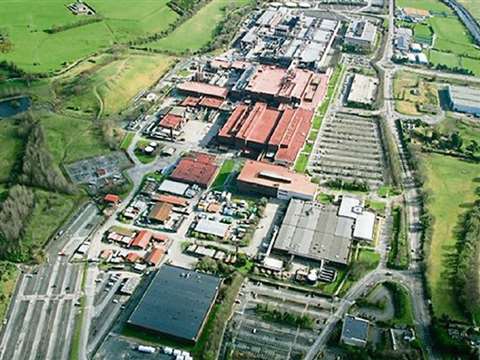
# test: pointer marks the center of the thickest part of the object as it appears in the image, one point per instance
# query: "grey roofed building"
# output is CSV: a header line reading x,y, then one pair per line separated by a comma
x,y
328,24
464,99
322,36
364,226
361,33
173,187
312,53
176,303
355,331
211,227
363,90
315,231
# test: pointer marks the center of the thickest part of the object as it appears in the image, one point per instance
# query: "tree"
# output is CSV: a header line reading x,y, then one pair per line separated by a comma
x,y
473,148
456,141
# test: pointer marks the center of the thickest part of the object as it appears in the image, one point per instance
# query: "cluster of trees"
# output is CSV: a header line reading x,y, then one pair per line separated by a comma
x,y
398,257
11,69
401,304
59,28
38,167
183,7
270,313
5,44
225,30
455,69
354,185
212,266
450,142
15,212
467,278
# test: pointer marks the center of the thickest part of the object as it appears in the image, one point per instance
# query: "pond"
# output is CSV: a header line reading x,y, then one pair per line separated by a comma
x,y
15,106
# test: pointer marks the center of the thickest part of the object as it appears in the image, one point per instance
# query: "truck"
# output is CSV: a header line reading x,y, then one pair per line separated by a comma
x,y
146,349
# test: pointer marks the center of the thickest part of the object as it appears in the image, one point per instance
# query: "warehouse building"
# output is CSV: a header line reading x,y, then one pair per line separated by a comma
x,y
361,34
176,304
276,85
355,331
464,99
196,168
315,231
260,128
275,181
363,91
213,228
196,88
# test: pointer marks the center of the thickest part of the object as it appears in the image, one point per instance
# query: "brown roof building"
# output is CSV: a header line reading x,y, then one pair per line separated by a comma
x,y
155,256
160,212
198,89
275,181
142,239
196,168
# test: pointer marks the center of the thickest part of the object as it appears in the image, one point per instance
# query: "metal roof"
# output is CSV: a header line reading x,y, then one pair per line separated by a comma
x,y
173,187
347,205
176,302
364,226
211,227
355,328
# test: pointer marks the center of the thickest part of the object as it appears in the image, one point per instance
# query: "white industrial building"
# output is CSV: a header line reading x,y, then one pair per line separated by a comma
x,y
464,99
363,91
361,34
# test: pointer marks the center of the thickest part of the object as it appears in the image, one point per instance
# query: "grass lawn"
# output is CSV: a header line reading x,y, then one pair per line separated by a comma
x,y
225,170
51,209
452,185
70,139
413,95
423,34
141,155
10,147
325,198
468,129
301,163
111,83
8,277
378,206
37,51
196,32
431,5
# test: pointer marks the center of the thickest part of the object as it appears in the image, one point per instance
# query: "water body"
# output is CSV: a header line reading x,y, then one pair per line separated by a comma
x,y
15,106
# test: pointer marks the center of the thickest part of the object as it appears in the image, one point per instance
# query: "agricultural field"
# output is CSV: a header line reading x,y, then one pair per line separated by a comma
x,y
37,51
452,184
197,31
108,85
414,95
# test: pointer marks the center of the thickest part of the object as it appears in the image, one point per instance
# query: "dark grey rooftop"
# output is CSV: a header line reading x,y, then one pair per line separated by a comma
x,y
176,302
355,328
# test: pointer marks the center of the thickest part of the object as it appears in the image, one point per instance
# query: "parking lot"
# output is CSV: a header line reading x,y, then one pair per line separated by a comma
x,y
349,148
99,171
252,336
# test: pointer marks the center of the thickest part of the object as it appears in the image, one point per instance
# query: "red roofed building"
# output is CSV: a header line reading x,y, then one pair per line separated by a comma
x,y
260,128
198,88
196,168
296,86
133,257
190,101
211,102
155,256
141,240
171,199
275,181
112,199
171,121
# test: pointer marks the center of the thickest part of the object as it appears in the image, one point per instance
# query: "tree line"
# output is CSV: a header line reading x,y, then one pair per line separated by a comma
x,y
38,168
15,212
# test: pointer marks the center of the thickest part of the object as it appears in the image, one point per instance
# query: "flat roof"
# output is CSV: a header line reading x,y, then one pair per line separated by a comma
x,y
212,227
196,168
466,96
315,231
253,173
362,30
176,303
171,121
203,89
364,225
355,328
363,89
347,206
173,187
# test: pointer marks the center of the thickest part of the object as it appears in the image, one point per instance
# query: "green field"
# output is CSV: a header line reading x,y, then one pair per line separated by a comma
x,y
423,34
197,31
414,95
223,174
37,51
8,276
109,84
10,148
451,182
453,46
